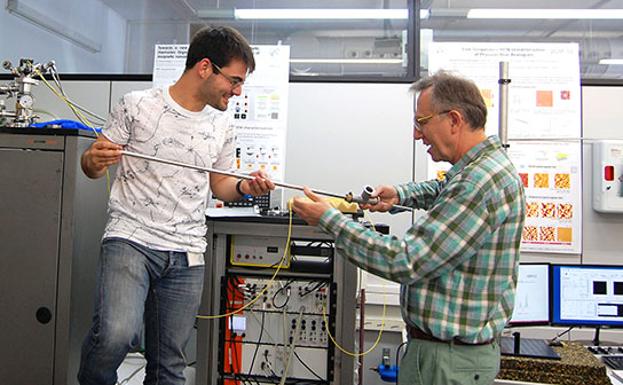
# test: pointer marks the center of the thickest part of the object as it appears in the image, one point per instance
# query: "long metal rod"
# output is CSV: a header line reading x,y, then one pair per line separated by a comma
x,y
221,172
242,176
503,104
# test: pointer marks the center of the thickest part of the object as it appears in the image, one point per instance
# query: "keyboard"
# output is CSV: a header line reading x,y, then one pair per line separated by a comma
x,y
529,347
605,350
614,362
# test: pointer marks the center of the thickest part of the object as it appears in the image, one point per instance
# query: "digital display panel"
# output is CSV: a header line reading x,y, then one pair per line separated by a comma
x,y
587,295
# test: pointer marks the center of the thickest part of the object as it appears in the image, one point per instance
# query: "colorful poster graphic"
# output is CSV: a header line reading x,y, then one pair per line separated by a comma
x,y
544,102
551,177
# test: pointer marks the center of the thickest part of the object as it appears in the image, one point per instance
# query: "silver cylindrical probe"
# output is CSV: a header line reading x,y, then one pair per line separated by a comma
x,y
348,197
367,192
366,198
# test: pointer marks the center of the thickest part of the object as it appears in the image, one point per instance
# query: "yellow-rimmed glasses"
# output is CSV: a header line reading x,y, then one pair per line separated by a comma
x,y
418,123
235,81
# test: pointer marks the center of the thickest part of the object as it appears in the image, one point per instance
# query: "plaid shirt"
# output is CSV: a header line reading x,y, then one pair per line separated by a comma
x,y
457,265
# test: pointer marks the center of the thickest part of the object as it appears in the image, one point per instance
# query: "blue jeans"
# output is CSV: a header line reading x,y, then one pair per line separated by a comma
x,y
135,285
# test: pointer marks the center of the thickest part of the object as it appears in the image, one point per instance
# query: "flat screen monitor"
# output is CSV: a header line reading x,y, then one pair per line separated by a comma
x,y
532,298
587,295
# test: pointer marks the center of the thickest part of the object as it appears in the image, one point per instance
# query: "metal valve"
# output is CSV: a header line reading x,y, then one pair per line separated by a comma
x,y
21,90
364,198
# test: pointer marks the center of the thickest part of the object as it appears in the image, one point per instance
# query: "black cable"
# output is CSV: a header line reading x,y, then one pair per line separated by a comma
x,y
274,377
267,367
313,289
231,363
235,357
398,351
257,347
287,285
236,286
307,367
553,340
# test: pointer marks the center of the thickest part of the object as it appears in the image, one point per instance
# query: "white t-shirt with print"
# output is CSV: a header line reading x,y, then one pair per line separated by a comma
x,y
158,205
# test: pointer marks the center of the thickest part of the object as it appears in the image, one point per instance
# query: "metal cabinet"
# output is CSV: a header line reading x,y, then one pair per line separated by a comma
x,y
271,234
51,221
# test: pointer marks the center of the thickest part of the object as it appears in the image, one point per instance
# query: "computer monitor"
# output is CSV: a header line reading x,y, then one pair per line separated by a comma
x,y
532,296
587,295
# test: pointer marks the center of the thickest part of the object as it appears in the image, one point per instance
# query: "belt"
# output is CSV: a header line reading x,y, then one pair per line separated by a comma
x,y
416,333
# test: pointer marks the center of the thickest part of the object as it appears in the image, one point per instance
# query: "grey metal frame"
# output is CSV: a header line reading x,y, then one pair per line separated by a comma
x,y
50,227
344,274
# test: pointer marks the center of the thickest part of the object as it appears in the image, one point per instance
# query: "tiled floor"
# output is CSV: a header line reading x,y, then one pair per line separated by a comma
x,y
132,371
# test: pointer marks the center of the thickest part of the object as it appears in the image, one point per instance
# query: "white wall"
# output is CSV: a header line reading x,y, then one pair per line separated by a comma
x,y
22,39
602,118
142,38
344,136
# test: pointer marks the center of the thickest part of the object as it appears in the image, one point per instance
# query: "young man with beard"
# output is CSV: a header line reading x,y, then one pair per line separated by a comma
x,y
151,262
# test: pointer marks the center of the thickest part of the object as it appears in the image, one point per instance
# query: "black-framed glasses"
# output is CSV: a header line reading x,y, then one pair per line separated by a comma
x,y
235,81
418,123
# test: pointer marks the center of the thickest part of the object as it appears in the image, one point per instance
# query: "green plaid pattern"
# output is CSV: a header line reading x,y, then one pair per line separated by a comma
x,y
457,265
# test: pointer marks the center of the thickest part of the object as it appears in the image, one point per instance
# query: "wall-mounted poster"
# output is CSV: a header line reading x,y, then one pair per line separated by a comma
x,y
543,102
259,113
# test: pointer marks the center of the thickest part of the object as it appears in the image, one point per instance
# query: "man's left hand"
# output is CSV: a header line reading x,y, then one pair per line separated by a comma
x,y
310,210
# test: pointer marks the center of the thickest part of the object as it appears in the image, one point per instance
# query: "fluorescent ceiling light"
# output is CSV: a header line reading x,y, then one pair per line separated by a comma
x,y
306,14
294,14
63,30
347,61
611,61
503,13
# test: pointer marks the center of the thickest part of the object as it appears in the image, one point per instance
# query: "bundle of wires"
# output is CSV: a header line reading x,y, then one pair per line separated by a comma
x,y
91,122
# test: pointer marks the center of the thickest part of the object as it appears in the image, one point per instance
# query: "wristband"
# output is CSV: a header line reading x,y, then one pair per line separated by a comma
x,y
238,189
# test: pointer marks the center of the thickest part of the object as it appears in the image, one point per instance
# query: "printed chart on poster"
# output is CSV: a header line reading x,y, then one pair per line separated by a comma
x,y
544,102
259,114
550,173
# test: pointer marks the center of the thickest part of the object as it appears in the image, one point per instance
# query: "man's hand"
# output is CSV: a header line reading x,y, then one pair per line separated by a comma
x,y
387,195
260,185
310,211
99,156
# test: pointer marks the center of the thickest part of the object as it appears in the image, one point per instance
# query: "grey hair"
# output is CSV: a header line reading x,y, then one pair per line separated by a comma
x,y
452,92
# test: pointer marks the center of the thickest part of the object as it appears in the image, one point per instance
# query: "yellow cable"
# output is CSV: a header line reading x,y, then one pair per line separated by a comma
x,y
79,115
343,350
270,282
378,338
76,112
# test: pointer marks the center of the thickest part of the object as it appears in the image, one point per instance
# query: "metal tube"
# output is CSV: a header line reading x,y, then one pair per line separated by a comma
x,y
244,176
503,81
221,172
362,324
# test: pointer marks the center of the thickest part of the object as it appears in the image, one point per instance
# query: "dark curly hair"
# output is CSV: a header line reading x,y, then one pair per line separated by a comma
x,y
221,45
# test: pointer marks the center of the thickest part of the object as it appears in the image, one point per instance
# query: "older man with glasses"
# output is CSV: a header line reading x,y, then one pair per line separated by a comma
x,y
457,264
151,263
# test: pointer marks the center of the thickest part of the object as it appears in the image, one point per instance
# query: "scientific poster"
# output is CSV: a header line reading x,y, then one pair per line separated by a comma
x,y
169,63
544,102
259,113
550,173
